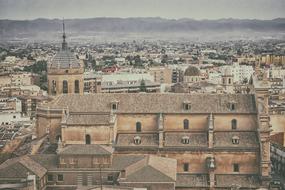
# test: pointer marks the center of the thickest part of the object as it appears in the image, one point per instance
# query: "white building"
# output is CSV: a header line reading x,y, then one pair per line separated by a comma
x,y
215,77
277,72
239,72
116,78
120,60
11,111
10,60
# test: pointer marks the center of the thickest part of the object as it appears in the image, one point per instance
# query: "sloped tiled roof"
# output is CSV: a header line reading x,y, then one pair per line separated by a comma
x,y
48,161
246,139
22,164
35,167
155,103
175,139
148,174
64,59
121,161
152,169
146,140
16,170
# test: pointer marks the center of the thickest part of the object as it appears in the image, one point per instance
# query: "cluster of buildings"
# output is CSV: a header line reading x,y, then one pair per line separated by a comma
x,y
146,140
200,120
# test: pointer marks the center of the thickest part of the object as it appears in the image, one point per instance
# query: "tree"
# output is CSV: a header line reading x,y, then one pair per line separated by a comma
x,y
245,81
30,57
85,64
164,58
137,59
93,64
142,86
39,67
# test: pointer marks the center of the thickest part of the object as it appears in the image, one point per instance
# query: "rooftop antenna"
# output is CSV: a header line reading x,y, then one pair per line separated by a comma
x,y
64,44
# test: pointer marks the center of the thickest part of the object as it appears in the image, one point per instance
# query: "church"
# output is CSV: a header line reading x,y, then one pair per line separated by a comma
x,y
149,141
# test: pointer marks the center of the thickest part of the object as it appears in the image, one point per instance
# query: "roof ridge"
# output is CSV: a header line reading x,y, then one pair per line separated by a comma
x,y
106,148
9,162
40,170
161,172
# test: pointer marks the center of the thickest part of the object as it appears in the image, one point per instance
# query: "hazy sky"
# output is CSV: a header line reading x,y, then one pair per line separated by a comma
x,y
197,9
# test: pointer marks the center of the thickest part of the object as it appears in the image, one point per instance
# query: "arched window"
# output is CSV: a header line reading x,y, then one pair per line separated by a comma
x,y
87,139
64,87
186,124
114,106
230,81
232,106
76,86
234,124
53,87
138,127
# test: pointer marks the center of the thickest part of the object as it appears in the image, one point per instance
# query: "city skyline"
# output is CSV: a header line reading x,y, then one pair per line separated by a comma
x,y
199,10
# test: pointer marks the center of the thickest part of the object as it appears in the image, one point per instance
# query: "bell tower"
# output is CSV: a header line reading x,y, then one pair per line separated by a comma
x,y
227,78
65,71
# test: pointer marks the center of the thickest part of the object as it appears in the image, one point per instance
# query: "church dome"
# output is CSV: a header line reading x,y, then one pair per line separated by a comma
x,y
192,71
64,59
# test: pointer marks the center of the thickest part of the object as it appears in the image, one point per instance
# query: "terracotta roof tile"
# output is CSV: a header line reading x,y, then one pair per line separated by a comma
x,y
195,139
146,140
246,139
155,103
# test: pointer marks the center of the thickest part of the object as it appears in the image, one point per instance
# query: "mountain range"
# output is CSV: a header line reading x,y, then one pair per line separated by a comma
x,y
50,27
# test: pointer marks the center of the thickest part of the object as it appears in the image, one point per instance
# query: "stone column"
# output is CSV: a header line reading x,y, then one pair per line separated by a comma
x,y
160,130
210,131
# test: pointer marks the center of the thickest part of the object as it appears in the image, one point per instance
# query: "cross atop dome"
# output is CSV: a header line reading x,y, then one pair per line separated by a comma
x,y
64,44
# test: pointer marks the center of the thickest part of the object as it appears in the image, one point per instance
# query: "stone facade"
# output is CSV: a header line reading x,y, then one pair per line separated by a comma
x,y
221,136
57,77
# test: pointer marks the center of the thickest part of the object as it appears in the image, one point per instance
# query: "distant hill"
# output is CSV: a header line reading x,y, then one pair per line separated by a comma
x,y
34,28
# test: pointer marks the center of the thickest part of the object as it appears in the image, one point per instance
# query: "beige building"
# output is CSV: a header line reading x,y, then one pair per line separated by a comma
x,y
16,79
5,80
228,81
273,59
218,141
21,79
152,141
162,75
